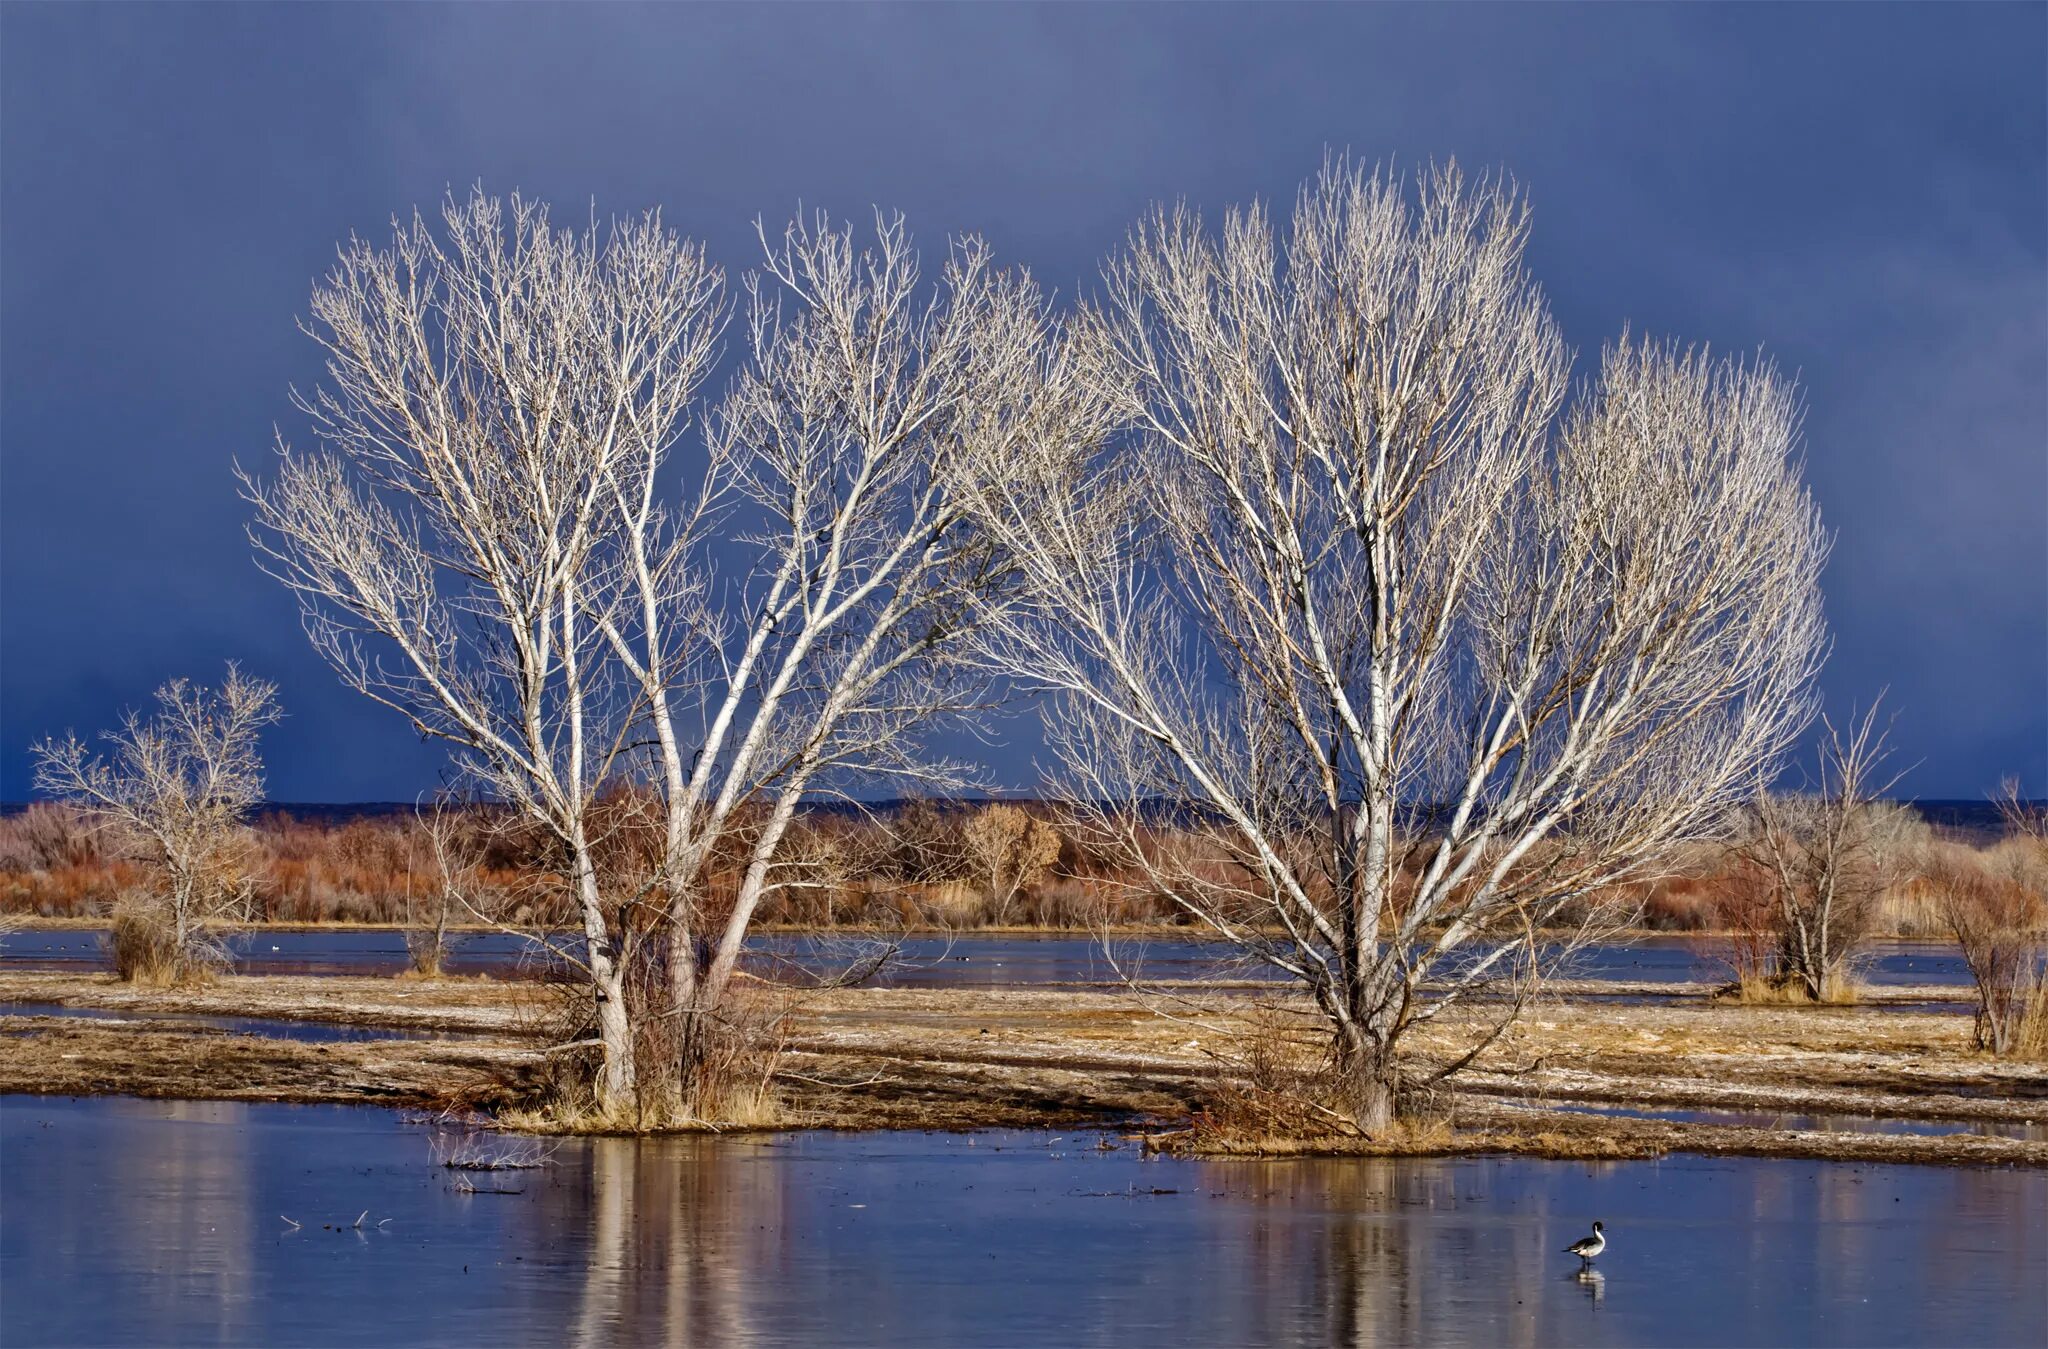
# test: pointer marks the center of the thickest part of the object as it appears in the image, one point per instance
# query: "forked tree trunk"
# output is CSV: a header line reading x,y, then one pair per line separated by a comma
x,y
613,1084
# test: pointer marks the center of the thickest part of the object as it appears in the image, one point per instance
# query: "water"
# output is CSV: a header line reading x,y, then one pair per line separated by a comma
x,y
163,1223
317,951
940,961
272,1028
2026,1130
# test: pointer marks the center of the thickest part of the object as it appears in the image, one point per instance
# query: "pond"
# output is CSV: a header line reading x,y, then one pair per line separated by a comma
x,y
967,960
133,1222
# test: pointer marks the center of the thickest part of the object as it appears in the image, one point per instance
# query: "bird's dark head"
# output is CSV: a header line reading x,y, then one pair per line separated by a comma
x,y
1599,1227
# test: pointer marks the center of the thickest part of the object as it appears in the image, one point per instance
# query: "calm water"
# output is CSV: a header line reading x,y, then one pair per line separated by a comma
x,y
274,1028
163,1223
927,961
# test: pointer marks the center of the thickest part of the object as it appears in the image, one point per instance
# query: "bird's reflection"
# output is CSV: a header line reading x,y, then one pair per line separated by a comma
x,y
1592,1280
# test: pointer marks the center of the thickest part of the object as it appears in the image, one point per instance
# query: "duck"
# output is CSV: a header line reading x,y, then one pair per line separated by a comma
x,y
1586,1248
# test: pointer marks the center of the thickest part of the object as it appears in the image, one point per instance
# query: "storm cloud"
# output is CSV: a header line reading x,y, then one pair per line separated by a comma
x,y
1857,191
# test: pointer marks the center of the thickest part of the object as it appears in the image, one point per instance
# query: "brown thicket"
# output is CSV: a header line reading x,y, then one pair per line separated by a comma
x,y
887,868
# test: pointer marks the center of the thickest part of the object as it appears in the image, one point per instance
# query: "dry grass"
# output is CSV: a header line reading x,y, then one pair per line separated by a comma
x,y
145,949
2030,1026
1755,989
1277,1090
731,1084
1034,1058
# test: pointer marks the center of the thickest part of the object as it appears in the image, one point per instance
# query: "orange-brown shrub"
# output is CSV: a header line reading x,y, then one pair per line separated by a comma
x,y
888,868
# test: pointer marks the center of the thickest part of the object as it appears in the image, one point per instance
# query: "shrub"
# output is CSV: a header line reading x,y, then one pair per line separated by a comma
x,y
2001,923
143,944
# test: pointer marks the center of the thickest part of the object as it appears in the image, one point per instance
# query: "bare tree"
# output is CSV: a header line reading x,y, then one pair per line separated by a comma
x,y
454,546
1996,905
1432,661
2025,820
1827,856
453,834
847,436
1999,917
488,545
173,791
1011,849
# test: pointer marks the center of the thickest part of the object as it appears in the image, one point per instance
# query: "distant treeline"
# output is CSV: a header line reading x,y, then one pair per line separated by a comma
x,y
912,862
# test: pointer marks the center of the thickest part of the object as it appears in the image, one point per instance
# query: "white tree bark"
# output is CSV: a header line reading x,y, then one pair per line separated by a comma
x,y
490,542
173,791
1429,658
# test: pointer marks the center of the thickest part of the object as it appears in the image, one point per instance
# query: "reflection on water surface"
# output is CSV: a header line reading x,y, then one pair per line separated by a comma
x,y
150,1222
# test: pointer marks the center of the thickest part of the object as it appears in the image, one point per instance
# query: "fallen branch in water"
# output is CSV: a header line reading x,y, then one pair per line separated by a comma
x,y
473,1155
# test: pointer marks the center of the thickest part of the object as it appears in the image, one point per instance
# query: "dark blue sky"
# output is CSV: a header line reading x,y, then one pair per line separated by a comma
x,y
1858,189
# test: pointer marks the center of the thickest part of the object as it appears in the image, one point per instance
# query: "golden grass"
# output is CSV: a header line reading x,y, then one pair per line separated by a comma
x,y
740,1111
1761,990
2030,1027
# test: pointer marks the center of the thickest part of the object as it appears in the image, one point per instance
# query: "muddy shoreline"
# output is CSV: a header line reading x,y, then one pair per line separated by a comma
x,y
969,1058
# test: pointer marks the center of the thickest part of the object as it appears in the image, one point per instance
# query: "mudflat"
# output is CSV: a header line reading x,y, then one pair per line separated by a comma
x,y
1578,1076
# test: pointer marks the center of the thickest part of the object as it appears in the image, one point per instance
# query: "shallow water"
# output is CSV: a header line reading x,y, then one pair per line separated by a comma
x,y
937,961
2027,1130
162,1222
271,1028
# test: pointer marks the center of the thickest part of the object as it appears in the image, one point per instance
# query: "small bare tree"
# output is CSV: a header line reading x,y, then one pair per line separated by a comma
x,y
1996,906
1011,849
1431,662
173,792
1827,856
2001,923
453,835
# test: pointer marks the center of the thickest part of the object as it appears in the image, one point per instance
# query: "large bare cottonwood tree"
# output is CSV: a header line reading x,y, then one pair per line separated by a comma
x,y
1430,651
492,542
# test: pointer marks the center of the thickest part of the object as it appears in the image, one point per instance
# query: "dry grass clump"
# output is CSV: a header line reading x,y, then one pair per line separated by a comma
x,y
144,947
2030,1022
1277,1091
1760,988
729,1082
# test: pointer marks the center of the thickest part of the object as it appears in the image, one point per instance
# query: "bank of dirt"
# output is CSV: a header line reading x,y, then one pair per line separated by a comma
x,y
958,1058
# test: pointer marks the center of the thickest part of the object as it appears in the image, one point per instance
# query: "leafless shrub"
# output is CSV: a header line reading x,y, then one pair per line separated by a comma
x,y
451,840
45,836
1011,850
1828,856
172,792
472,1151
1995,903
2001,924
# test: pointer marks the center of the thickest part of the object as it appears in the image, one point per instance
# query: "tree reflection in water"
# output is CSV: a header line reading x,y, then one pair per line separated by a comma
x,y
133,1222
1376,1251
678,1230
